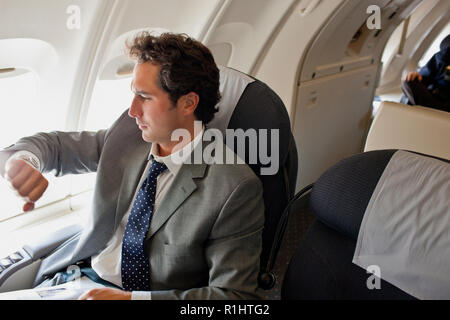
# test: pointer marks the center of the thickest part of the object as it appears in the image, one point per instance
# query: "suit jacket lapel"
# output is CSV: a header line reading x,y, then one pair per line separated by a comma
x,y
180,189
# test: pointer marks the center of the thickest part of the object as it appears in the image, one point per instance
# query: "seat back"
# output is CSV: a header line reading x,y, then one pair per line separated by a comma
x,y
260,108
415,128
322,266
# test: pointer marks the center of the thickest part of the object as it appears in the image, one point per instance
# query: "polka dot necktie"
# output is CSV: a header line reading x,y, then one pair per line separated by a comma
x,y
135,265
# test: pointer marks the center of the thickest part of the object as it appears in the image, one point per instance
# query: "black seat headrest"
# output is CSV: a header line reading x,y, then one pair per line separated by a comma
x,y
340,196
260,108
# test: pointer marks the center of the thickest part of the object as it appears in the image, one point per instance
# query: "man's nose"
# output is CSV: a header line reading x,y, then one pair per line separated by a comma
x,y
135,109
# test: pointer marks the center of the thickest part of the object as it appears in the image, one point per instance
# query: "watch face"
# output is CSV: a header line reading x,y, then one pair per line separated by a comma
x,y
33,161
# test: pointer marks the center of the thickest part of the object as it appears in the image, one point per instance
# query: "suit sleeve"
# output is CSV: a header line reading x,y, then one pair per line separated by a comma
x,y
62,152
233,250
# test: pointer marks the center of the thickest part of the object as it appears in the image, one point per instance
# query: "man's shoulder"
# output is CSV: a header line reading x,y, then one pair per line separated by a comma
x,y
235,171
230,167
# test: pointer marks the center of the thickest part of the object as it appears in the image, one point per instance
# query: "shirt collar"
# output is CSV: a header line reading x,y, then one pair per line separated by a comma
x,y
182,154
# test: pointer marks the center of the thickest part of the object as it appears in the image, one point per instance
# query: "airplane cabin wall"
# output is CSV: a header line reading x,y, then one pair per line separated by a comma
x,y
240,34
331,100
280,64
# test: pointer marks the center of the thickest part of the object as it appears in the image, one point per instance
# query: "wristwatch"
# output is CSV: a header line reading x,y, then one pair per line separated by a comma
x,y
28,157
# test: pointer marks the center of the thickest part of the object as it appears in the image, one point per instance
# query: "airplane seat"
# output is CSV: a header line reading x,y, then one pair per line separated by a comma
x,y
259,108
343,201
18,269
247,103
415,128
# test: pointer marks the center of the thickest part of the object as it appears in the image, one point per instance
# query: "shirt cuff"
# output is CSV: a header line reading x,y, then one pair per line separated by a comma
x,y
29,157
141,295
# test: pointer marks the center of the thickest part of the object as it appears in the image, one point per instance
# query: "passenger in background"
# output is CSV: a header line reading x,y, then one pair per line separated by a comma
x,y
430,87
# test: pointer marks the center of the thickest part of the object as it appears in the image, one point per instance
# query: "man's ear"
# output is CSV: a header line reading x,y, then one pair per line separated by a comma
x,y
189,102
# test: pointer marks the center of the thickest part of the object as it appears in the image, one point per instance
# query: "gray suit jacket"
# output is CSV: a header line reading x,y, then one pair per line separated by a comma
x,y
204,240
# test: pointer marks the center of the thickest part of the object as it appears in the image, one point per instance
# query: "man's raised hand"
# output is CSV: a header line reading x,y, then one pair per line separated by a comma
x,y
28,182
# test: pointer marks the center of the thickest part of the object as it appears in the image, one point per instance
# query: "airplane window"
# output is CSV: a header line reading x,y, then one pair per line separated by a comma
x,y
17,93
110,99
19,98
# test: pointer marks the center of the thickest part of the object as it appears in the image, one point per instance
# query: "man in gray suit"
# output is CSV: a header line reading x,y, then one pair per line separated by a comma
x,y
203,240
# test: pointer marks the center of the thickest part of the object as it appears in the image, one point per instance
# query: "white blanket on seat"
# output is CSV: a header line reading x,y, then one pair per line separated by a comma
x,y
406,227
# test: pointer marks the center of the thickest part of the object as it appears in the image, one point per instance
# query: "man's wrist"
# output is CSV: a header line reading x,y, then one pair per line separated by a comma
x,y
27,156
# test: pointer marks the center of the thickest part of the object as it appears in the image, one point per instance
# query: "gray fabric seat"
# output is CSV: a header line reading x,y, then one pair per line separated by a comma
x,y
322,267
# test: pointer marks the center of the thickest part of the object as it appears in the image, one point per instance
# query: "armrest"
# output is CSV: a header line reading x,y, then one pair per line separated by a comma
x,y
34,251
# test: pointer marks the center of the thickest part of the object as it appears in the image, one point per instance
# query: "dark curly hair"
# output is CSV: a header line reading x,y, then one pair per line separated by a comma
x,y
186,66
